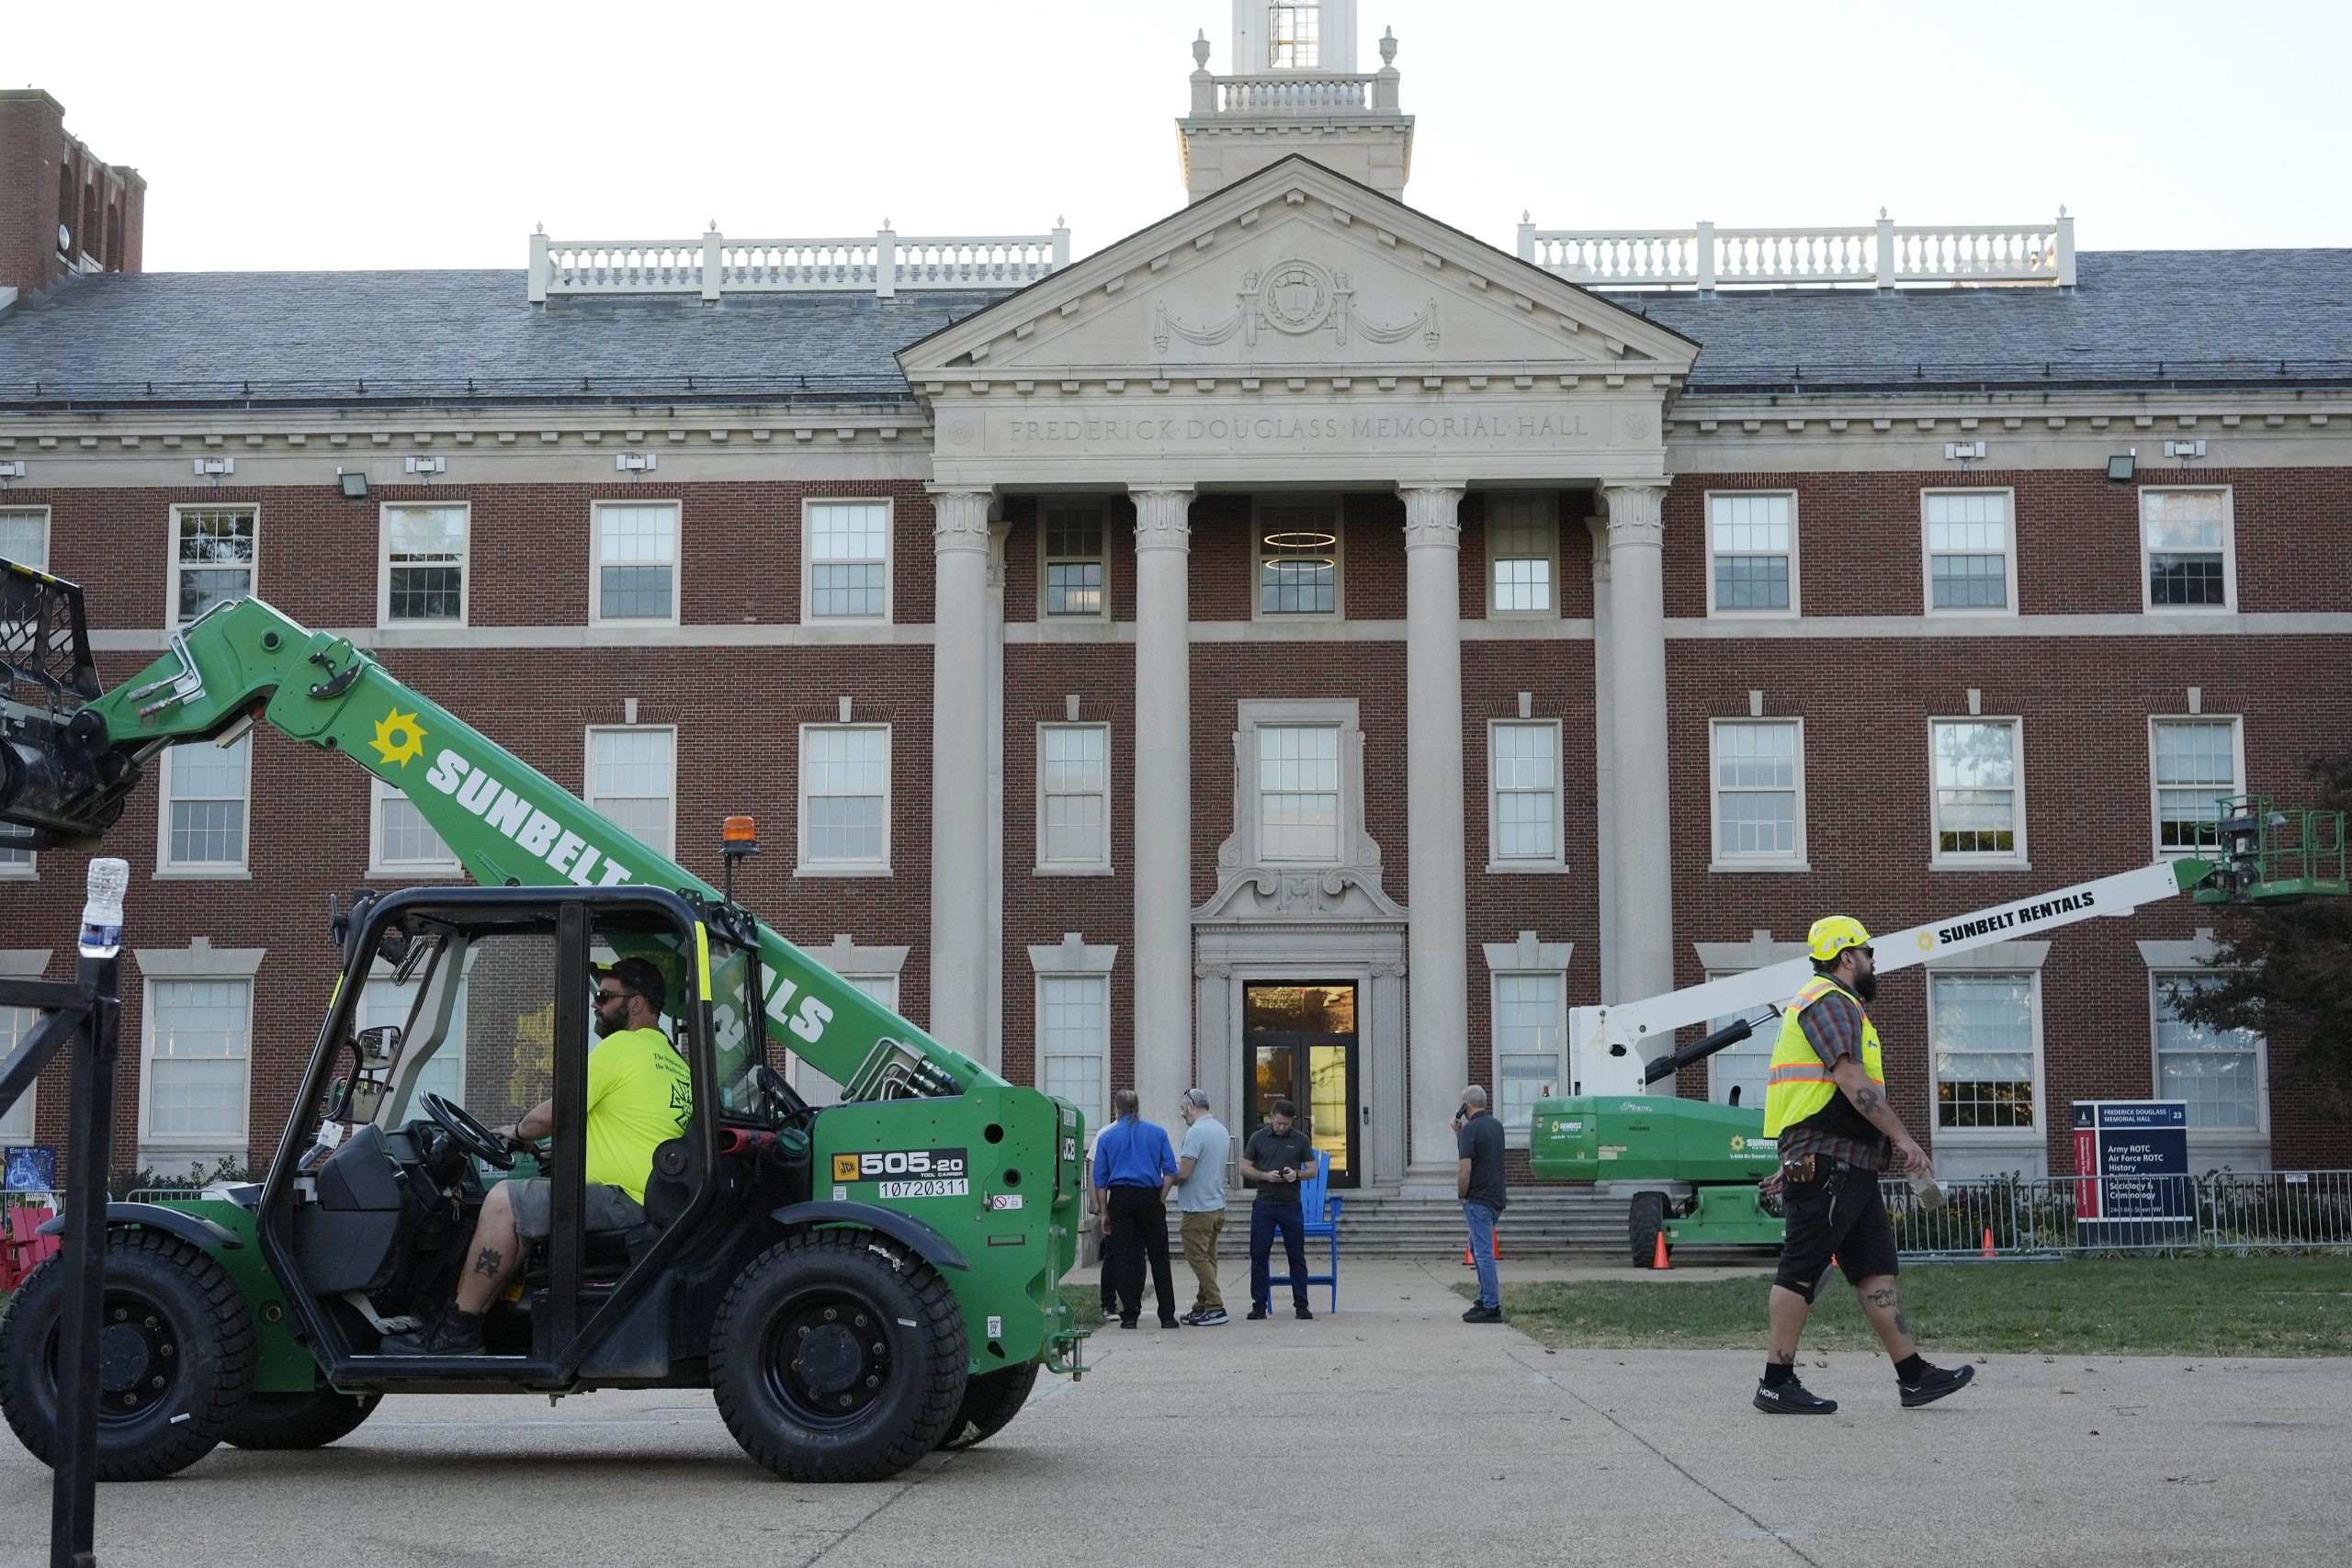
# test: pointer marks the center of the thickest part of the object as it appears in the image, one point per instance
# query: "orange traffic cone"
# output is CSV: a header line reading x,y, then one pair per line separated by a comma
x,y
1657,1258
1467,1261
1498,1244
1988,1241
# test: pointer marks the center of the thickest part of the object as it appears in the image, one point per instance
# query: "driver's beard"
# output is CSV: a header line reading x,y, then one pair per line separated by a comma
x,y
605,1029
1866,985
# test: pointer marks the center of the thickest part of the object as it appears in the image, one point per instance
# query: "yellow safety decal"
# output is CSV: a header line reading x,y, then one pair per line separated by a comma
x,y
702,956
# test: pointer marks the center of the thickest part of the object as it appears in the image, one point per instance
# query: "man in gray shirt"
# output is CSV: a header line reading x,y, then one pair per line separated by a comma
x,y
1200,1192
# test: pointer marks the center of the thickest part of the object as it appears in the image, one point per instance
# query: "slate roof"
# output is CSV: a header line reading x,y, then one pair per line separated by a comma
x,y
2136,319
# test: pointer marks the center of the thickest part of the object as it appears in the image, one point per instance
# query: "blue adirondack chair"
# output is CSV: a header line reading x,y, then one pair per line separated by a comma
x,y
1322,1210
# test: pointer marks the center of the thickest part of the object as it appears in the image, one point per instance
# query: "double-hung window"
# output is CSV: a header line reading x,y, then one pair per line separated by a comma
x,y
848,570
1984,1035
1074,1041
1298,560
2218,1072
636,561
199,1033
444,1073
1523,795
2184,545
424,565
633,781
24,539
1751,553
1530,1025
1758,794
206,794
15,1024
1738,1074
1075,564
1298,792
214,552
844,800
2194,764
1971,564
1978,792
1523,555
1073,798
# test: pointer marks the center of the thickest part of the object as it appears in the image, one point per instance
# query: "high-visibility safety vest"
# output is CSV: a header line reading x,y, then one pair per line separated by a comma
x,y
1799,1085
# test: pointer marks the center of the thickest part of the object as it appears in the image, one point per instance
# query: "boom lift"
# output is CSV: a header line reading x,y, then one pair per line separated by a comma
x,y
858,1283
1693,1166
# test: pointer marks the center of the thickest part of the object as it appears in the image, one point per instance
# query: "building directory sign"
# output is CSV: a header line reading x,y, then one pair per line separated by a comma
x,y
2133,1158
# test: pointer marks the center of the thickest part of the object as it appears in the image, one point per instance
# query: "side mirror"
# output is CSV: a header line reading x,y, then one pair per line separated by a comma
x,y
379,1046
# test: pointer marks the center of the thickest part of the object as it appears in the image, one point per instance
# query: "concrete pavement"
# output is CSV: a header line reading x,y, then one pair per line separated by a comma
x,y
1388,1433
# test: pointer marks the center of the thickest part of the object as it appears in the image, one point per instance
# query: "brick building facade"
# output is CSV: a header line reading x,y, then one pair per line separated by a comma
x,y
1298,646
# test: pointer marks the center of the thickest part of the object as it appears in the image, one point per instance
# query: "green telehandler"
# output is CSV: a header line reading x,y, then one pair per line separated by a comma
x,y
857,1283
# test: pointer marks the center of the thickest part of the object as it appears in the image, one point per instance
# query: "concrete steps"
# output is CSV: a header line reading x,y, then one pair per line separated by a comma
x,y
1540,1222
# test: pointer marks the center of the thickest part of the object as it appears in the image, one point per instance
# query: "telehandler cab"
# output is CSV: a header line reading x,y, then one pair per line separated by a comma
x,y
857,1283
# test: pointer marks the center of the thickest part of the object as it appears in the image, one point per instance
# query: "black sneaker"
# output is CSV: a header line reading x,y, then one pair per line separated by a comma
x,y
454,1333
1483,1315
1175,1323
1211,1318
1793,1398
1127,1323
1934,1383
1303,1314
1257,1314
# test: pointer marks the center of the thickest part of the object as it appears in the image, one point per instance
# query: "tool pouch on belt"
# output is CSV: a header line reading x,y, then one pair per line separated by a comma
x,y
1796,1170
1805,1170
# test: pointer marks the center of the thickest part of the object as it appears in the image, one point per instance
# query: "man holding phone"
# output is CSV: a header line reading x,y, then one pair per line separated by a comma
x,y
1275,1160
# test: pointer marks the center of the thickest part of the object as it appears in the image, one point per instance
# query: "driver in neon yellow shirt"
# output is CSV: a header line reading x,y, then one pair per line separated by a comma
x,y
639,1096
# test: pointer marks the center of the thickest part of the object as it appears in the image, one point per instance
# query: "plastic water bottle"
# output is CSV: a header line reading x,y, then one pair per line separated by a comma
x,y
102,911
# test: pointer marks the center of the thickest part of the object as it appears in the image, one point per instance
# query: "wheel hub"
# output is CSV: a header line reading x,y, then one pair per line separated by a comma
x,y
139,1356
830,1359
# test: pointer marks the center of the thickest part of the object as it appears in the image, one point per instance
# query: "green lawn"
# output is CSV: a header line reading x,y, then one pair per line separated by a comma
x,y
2218,1305
1087,1301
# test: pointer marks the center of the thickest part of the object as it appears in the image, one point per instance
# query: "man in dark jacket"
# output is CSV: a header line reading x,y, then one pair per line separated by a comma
x,y
1478,1178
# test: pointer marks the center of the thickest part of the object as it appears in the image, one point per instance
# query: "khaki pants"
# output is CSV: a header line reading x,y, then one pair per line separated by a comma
x,y
1201,1231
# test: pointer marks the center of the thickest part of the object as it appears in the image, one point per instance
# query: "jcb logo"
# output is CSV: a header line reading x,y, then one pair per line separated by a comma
x,y
889,1163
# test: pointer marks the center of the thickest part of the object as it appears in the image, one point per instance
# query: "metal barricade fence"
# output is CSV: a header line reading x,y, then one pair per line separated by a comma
x,y
2057,1216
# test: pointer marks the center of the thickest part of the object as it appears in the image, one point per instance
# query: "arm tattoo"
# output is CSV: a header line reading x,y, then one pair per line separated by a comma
x,y
491,1261
1868,1100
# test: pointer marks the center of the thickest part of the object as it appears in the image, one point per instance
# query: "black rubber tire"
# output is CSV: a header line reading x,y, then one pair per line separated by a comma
x,y
835,1286
990,1401
173,1314
310,1420
1644,1220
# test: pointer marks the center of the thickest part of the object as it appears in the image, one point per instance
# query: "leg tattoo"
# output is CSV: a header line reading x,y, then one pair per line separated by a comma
x,y
491,1261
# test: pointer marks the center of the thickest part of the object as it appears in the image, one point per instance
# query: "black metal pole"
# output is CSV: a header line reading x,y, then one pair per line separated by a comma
x,y
73,1498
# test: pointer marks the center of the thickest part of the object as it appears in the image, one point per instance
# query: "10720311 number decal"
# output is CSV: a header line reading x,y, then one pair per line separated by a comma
x,y
881,1165
956,1189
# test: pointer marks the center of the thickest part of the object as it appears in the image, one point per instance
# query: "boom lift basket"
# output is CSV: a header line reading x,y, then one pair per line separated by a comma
x,y
2265,855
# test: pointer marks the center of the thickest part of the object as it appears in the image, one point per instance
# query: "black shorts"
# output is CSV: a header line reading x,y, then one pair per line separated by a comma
x,y
1838,1213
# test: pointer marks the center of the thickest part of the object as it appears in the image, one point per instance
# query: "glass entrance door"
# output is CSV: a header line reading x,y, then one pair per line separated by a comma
x,y
1302,1043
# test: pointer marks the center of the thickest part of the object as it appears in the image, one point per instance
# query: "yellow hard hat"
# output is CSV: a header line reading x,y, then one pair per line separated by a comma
x,y
1833,934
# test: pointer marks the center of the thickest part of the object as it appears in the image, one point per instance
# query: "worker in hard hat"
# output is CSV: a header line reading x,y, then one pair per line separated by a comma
x,y
1825,1101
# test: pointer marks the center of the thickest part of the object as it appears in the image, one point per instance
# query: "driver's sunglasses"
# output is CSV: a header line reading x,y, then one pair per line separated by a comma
x,y
603,996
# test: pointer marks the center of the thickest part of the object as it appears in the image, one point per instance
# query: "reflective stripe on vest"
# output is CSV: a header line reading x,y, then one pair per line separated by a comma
x,y
1798,1086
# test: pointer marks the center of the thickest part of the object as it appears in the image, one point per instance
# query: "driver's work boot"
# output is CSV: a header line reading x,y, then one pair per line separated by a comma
x,y
454,1333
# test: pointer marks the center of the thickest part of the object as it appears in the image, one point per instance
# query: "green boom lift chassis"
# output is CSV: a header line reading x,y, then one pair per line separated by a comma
x,y
1692,1170
859,1284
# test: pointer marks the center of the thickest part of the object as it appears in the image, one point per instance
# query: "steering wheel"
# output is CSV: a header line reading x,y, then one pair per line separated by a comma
x,y
469,1135
784,1101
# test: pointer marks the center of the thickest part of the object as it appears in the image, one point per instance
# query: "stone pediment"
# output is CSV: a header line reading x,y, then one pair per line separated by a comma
x,y
1298,271
1299,895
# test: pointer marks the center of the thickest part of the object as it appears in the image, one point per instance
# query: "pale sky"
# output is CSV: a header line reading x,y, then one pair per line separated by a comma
x,y
434,135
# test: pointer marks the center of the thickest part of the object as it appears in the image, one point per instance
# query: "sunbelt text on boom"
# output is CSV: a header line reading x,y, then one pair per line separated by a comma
x,y
566,853
2023,914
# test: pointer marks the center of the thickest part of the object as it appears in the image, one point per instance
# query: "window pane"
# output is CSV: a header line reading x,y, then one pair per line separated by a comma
x,y
1981,1034
1742,1067
1756,796
846,761
2217,1074
634,593
1297,571
1969,582
631,780
2175,578
1298,802
17,1121
1075,779
1074,588
1073,1040
1525,771
2196,766
1975,788
847,530
24,537
404,837
1528,1025
1751,523
1751,582
443,1072
197,1083
1520,542
208,803
636,534
425,548
2183,520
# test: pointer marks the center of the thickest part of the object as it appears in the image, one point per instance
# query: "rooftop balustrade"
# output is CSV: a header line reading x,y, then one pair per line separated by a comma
x,y
714,266
1881,255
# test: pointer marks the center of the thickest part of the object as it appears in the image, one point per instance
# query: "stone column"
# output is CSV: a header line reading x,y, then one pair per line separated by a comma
x,y
1163,801
1436,980
993,972
959,774
1604,774
1635,702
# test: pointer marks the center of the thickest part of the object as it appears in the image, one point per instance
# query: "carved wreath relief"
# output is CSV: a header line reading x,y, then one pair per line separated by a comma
x,y
1294,297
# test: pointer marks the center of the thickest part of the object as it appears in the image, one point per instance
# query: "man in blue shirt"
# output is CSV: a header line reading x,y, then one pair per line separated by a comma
x,y
1134,1167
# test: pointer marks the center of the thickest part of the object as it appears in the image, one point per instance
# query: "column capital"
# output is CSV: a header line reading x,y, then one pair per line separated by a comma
x,y
1599,528
1636,513
959,518
1432,516
1163,516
